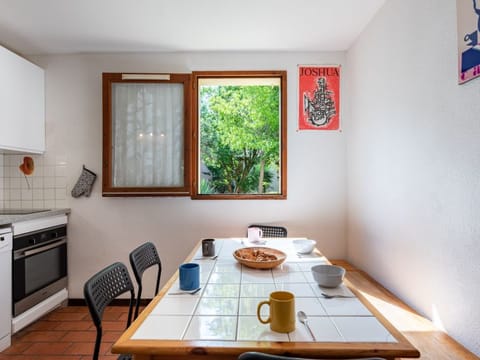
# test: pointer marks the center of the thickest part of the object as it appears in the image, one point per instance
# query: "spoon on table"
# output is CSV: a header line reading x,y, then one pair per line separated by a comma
x,y
304,320
327,296
192,292
207,258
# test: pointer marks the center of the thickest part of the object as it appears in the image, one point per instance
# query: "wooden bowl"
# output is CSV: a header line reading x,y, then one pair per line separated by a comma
x,y
259,257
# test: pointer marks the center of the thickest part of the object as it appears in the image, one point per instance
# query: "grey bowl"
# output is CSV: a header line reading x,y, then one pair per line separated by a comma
x,y
328,275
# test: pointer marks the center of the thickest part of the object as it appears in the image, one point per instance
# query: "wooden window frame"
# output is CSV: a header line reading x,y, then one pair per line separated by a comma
x,y
108,79
196,75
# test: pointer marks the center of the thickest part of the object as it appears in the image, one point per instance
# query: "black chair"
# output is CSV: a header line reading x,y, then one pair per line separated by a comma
x,y
252,355
100,290
269,231
142,258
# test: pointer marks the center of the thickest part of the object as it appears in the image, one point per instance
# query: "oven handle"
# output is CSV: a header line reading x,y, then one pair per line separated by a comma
x,y
41,249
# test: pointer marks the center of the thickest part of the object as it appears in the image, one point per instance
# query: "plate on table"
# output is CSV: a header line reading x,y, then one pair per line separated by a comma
x,y
259,257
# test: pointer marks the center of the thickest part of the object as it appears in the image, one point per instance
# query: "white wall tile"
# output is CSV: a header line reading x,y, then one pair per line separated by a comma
x,y
49,171
27,194
60,182
49,160
15,183
17,204
38,183
25,182
61,170
38,204
50,204
49,194
14,172
49,182
37,194
26,204
60,194
61,204
2,183
15,194
38,173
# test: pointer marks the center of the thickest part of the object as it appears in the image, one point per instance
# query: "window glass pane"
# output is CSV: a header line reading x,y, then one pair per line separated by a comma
x,y
147,135
240,136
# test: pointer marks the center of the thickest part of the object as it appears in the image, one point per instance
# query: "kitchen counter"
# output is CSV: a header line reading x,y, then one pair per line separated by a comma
x,y
6,220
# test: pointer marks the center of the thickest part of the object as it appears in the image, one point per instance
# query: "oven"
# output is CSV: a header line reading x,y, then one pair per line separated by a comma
x,y
39,267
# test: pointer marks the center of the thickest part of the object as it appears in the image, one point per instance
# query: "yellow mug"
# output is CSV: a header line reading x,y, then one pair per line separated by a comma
x,y
282,311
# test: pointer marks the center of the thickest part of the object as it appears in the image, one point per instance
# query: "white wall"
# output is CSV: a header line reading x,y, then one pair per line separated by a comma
x,y
104,230
413,164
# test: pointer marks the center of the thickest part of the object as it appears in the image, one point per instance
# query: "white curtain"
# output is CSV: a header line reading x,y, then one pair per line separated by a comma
x,y
147,125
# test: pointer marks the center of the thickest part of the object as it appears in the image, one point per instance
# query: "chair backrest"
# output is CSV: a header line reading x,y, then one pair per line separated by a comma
x,y
101,289
142,258
253,355
270,231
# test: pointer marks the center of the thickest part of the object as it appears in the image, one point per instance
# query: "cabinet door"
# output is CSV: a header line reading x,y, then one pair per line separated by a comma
x,y
22,104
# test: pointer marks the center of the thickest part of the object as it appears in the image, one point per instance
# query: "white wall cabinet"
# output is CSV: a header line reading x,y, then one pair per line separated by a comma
x,y
22,104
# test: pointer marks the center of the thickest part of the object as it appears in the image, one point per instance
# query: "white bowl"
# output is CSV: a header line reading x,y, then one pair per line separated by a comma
x,y
304,246
328,275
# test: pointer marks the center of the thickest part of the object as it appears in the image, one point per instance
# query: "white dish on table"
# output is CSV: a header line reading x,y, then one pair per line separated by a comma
x,y
304,246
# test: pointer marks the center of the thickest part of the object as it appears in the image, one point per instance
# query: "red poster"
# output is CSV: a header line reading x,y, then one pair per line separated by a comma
x,y
319,97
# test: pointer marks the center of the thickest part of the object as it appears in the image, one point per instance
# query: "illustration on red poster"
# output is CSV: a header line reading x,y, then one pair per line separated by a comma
x,y
319,97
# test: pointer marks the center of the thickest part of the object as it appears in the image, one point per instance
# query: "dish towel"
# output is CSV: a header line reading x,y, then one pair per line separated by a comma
x,y
84,183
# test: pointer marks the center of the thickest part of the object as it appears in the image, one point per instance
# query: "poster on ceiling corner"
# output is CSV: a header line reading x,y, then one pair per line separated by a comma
x,y
468,33
319,97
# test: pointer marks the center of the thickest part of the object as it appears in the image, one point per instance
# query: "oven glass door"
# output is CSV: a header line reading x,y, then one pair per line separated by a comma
x,y
31,273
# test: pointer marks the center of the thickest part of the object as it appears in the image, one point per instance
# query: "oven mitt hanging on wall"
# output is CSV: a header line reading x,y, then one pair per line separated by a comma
x,y
84,183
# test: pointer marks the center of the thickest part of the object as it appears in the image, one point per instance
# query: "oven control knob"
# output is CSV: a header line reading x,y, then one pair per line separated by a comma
x,y
32,241
2,238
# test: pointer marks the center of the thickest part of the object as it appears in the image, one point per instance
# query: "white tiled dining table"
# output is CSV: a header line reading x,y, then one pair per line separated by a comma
x,y
220,320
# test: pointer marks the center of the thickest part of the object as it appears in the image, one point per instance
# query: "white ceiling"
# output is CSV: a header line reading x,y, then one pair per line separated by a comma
x,y
73,26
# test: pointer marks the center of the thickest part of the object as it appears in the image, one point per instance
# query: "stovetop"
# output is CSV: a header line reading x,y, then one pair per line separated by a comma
x,y
21,211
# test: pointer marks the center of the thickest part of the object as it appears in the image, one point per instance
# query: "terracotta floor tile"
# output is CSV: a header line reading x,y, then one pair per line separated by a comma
x,y
86,348
80,336
67,333
47,348
121,309
81,348
49,357
67,316
106,357
44,325
16,348
75,325
43,336
106,347
111,336
70,309
114,316
114,325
